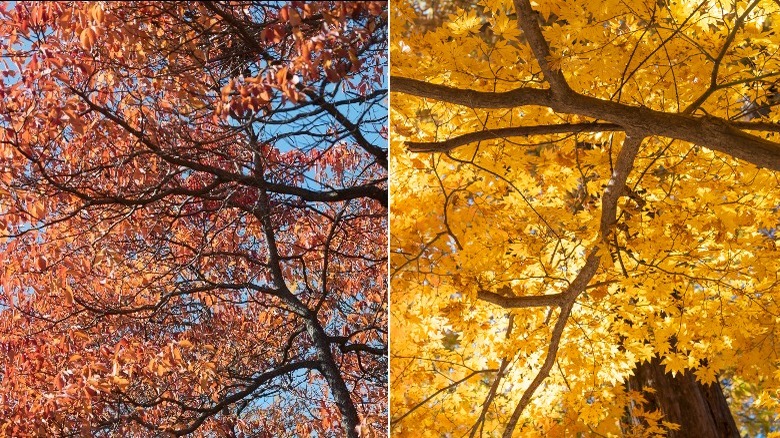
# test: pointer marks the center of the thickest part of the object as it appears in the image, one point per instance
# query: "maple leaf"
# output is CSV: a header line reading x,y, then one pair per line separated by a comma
x,y
675,363
626,197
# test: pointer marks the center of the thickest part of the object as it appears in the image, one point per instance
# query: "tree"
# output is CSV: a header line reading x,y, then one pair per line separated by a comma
x,y
584,224
193,205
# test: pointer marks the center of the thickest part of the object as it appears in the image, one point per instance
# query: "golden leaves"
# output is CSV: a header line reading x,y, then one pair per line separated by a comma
x,y
184,343
465,23
505,27
686,274
676,363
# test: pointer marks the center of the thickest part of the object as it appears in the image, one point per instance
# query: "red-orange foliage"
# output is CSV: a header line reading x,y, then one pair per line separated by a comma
x,y
193,211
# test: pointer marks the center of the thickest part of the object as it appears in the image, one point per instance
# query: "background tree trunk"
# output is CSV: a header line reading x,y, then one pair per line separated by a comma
x,y
700,410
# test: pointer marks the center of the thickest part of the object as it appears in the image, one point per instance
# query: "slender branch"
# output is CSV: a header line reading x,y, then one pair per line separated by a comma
x,y
454,384
719,59
624,79
335,195
552,352
354,130
480,423
256,383
519,131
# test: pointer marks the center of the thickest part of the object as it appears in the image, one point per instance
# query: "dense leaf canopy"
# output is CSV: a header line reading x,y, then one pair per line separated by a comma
x,y
193,212
579,187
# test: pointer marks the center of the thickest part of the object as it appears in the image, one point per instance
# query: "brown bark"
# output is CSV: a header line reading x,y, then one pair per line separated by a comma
x,y
700,410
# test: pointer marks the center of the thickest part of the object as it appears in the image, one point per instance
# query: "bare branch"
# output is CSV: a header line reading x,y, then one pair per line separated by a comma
x,y
354,130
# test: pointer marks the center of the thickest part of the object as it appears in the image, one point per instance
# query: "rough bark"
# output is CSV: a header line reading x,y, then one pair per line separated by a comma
x,y
700,410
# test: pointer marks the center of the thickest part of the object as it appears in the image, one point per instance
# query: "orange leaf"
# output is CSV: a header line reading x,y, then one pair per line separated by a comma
x,y
121,382
87,38
97,13
40,263
67,293
185,343
295,18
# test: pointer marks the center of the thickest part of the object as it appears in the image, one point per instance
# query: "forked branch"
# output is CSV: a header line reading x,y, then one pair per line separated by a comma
x,y
615,189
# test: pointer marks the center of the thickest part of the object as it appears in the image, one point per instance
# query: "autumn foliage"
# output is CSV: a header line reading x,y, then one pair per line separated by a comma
x,y
193,213
582,190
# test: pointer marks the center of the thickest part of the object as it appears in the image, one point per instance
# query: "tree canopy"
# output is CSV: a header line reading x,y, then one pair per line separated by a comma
x,y
580,188
193,216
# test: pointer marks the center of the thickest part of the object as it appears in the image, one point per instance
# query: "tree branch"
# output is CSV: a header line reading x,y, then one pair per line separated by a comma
x,y
333,195
471,98
446,388
519,131
256,383
354,130
345,194
711,132
615,189
521,302
757,126
528,22
617,184
552,352
480,423
719,59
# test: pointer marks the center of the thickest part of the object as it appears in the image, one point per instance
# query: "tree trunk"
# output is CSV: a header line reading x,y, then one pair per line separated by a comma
x,y
700,410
